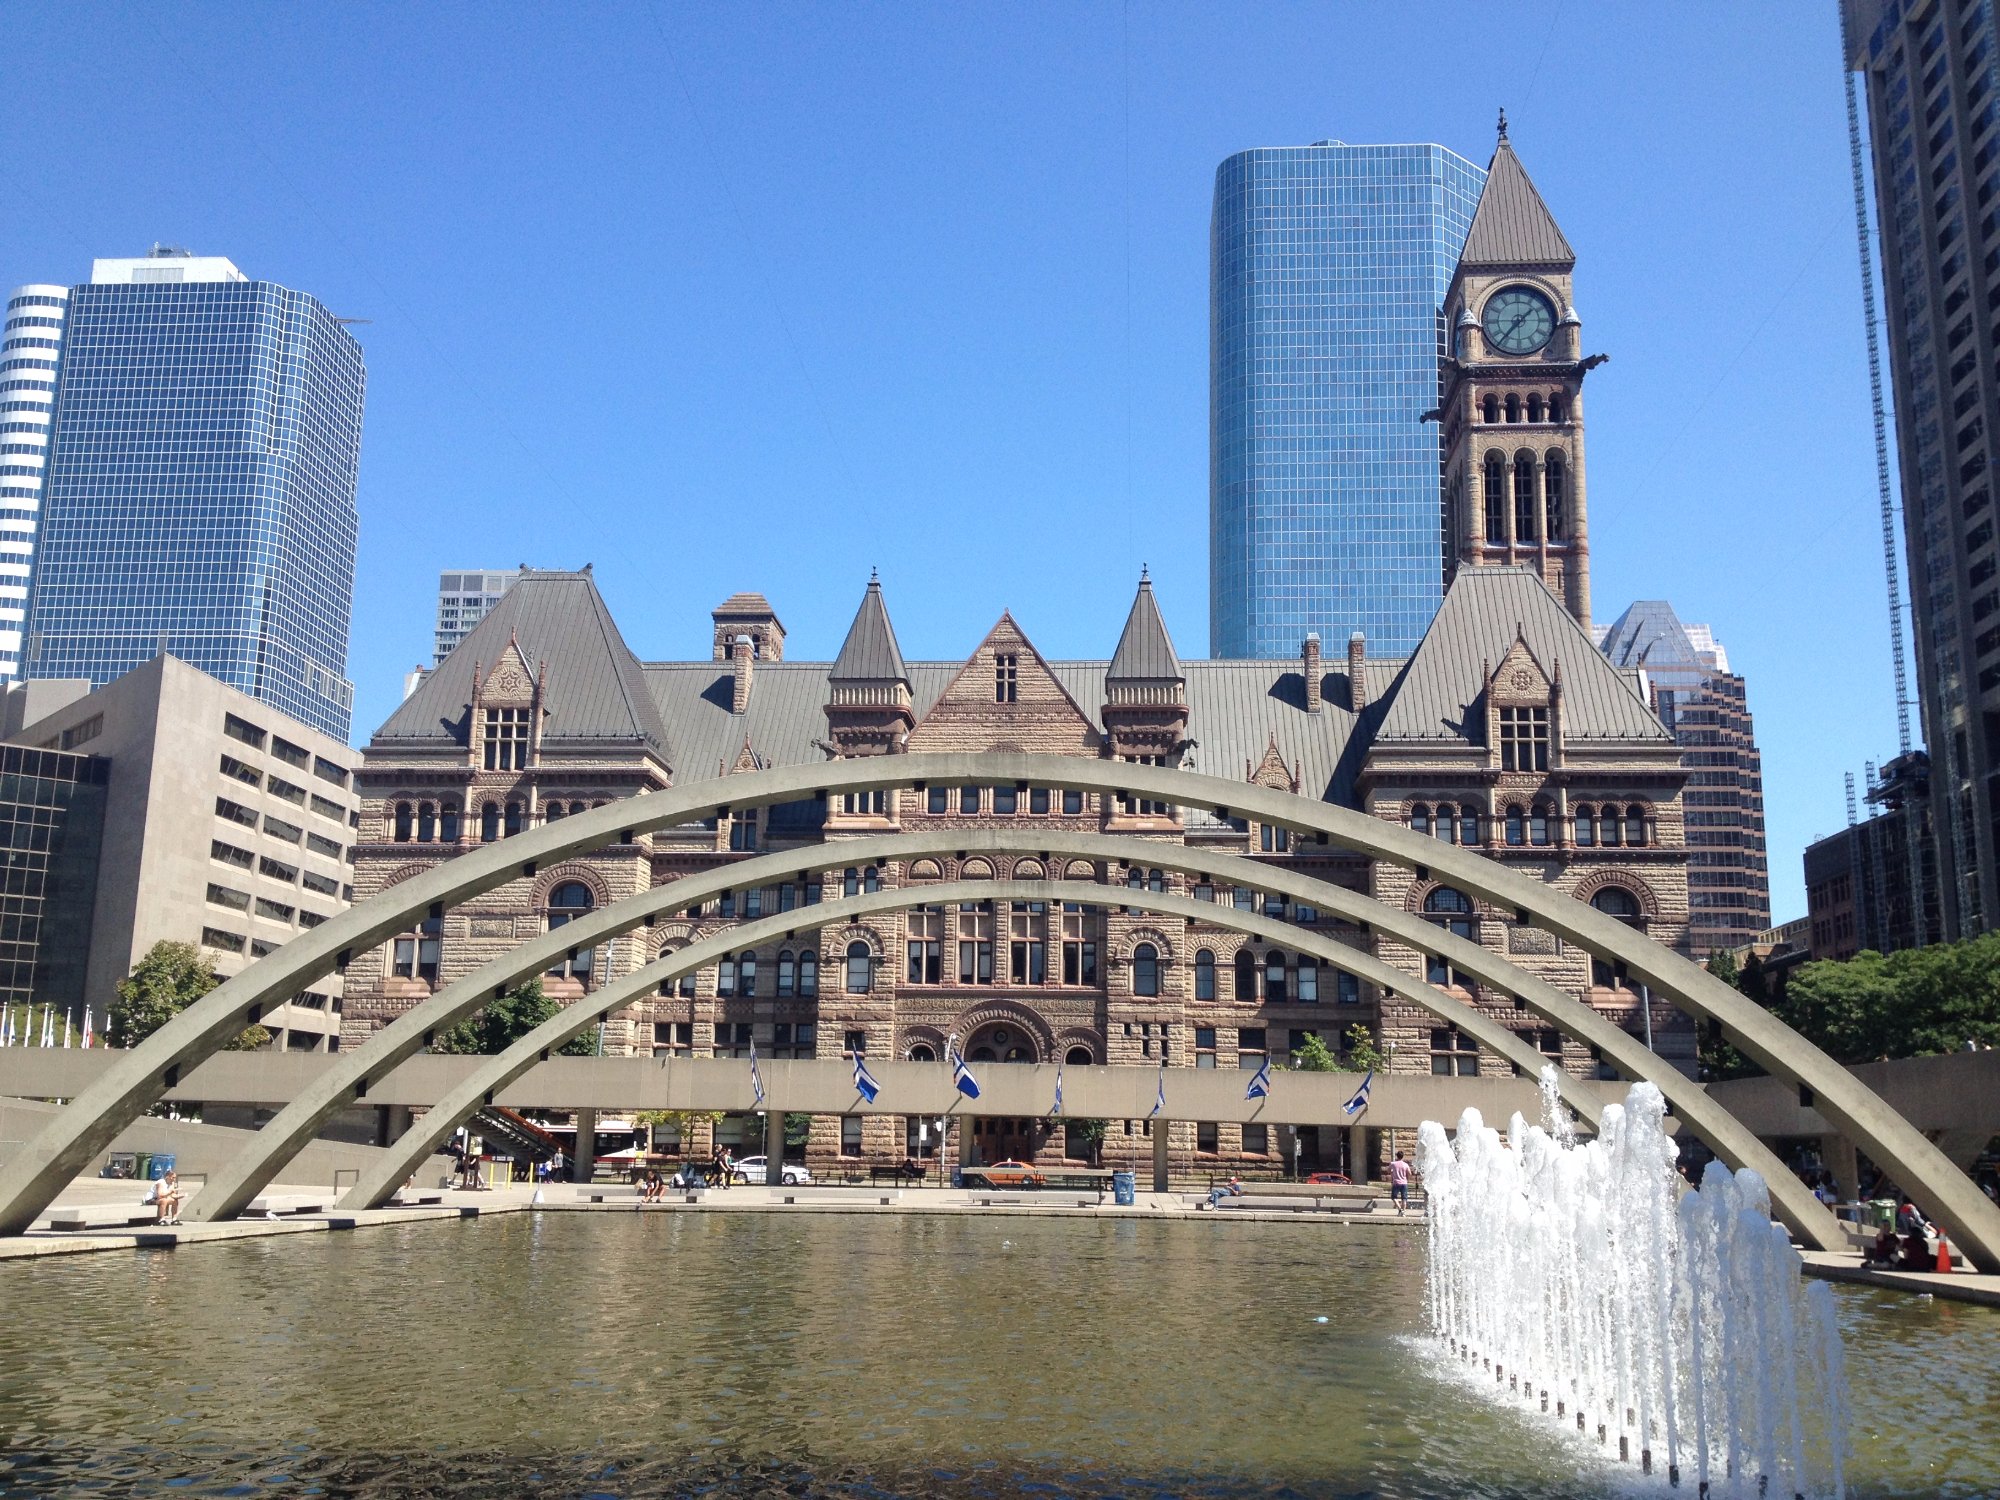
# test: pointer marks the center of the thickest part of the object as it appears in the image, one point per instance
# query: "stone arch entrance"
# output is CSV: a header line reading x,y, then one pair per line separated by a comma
x,y
1005,1040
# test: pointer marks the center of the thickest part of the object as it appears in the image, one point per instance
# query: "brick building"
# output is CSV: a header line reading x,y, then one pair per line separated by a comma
x,y
1506,729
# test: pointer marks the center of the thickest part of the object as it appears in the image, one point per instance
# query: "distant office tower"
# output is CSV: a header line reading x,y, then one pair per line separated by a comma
x,y
1328,267
1857,881
463,600
1933,79
1705,706
200,497
33,343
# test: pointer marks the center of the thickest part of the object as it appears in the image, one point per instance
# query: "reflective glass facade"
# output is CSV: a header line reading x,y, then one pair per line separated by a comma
x,y
200,492
1328,265
51,830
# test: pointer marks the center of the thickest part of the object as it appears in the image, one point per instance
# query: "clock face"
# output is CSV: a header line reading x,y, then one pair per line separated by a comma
x,y
1519,320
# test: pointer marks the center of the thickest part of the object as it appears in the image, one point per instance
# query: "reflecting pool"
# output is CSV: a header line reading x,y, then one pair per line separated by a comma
x,y
571,1354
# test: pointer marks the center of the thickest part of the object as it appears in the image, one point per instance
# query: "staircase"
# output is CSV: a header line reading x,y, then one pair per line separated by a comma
x,y
524,1140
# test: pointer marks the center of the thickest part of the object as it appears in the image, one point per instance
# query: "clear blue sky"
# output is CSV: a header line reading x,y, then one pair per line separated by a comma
x,y
756,297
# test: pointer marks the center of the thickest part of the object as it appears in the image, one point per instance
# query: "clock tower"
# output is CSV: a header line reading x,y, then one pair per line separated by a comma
x,y
1512,382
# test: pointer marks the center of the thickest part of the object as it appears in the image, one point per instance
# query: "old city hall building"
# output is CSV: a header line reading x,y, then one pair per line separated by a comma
x,y
1505,729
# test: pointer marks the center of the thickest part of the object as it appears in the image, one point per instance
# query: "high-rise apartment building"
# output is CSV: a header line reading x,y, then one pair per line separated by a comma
x,y
1858,890
1932,69
463,601
1328,266
199,497
1707,708
28,354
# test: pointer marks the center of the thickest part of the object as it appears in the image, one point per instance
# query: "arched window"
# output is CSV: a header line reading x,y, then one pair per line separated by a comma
x,y
1135,879
576,808
1586,826
515,819
1513,407
1613,901
555,810
1516,829
1608,829
1204,975
725,976
489,822
427,823
1489,409
567,902
1308,980
1451,910
1275,989
1420,817
1447,822
404,822
1145,970
1524,498
1156,881
1246,976
1468,824
1081,1057
787,972
1635,825
850,881
922,1052
1557,408
1534,408
808,973
871,880
1496,499
448,822
746,974
860,968
1552,485
1538,823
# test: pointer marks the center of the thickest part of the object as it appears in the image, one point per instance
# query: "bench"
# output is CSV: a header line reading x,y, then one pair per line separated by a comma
x,y
272,1204
1038,1198
102,1215
616,1194
415,1198
896,1174
804,1194
1274,1203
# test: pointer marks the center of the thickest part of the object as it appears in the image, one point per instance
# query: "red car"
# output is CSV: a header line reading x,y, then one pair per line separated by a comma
x,y
1333,1178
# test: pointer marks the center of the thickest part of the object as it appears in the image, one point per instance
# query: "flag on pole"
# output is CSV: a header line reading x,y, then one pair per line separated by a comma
x,y
864,1081
1056,1108
1260,1081
86,1028
1359,1102
961,1076
48,1025
756,1078
1160,1098
65,1029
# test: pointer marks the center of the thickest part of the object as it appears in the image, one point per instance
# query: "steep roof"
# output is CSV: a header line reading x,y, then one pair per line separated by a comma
x,y
1512,225
596,689
1436,697
870,652
1144,650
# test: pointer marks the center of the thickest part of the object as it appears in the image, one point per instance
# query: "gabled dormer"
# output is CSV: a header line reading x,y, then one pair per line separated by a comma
x,y
1523,712
505,728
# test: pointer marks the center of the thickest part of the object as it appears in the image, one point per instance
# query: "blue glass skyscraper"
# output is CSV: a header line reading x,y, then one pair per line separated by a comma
x,y
199,496
1328,265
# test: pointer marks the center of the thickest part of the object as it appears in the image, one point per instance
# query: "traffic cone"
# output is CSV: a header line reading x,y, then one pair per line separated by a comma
x,y
1944,1256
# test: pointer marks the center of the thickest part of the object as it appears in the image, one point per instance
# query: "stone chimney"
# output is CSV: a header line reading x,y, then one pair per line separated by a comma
x,y
1357,671
740,654
1309,664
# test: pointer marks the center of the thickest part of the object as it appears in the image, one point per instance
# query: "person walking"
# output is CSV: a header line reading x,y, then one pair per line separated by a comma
x,y
1399,1182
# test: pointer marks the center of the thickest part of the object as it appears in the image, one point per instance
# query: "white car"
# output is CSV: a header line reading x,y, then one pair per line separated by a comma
x,y
751,1170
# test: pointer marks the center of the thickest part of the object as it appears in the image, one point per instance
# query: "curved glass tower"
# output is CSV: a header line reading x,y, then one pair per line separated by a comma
x,y
1328,265
200,490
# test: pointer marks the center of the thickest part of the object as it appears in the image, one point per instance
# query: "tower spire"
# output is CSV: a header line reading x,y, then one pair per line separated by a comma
x,y
1503,122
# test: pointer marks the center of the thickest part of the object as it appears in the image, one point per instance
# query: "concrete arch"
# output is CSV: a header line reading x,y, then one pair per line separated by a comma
x,y
30,1182
495,1073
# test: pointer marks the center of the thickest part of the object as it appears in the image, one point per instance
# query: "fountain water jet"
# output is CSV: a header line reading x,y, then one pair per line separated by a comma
x,y
1590,1267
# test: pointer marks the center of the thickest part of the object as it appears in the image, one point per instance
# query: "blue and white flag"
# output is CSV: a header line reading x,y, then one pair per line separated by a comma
x,y
1260,1081
1359,1102
1056,1108
757,1078
961,1076
864,1081
1160,1098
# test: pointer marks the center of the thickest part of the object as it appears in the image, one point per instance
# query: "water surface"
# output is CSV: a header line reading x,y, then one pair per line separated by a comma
x,y
569,1354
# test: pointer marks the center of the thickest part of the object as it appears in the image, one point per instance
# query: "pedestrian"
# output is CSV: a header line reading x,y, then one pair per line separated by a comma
x,y
165,1196
1399,1182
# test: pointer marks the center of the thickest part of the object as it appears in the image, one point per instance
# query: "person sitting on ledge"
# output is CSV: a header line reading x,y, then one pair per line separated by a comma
x,y
1883,1253
165,1196
1230,1189
1917,1253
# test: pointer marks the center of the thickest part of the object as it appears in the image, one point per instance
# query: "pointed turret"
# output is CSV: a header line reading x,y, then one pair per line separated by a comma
x,y
1512,227
868,708
1145,691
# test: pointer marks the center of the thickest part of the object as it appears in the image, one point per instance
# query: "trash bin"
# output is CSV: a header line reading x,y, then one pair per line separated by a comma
x,y
142,1165
958,1177
157,1165
1125,1188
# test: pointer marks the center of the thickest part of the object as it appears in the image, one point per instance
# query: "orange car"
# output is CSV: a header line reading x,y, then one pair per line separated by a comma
x,y
1012,1174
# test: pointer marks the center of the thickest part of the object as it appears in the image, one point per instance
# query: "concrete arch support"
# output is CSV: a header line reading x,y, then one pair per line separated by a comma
x,y
29,1182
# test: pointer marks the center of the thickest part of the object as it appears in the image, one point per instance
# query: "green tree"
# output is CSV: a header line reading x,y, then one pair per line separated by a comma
x,y
798,1128
1363,1056
1752,981
1084,1138
1909,1004
500,1023
1314,1056
170,978
1722,964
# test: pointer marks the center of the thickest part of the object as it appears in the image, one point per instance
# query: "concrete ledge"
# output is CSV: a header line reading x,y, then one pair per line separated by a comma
x,y
1959,1286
